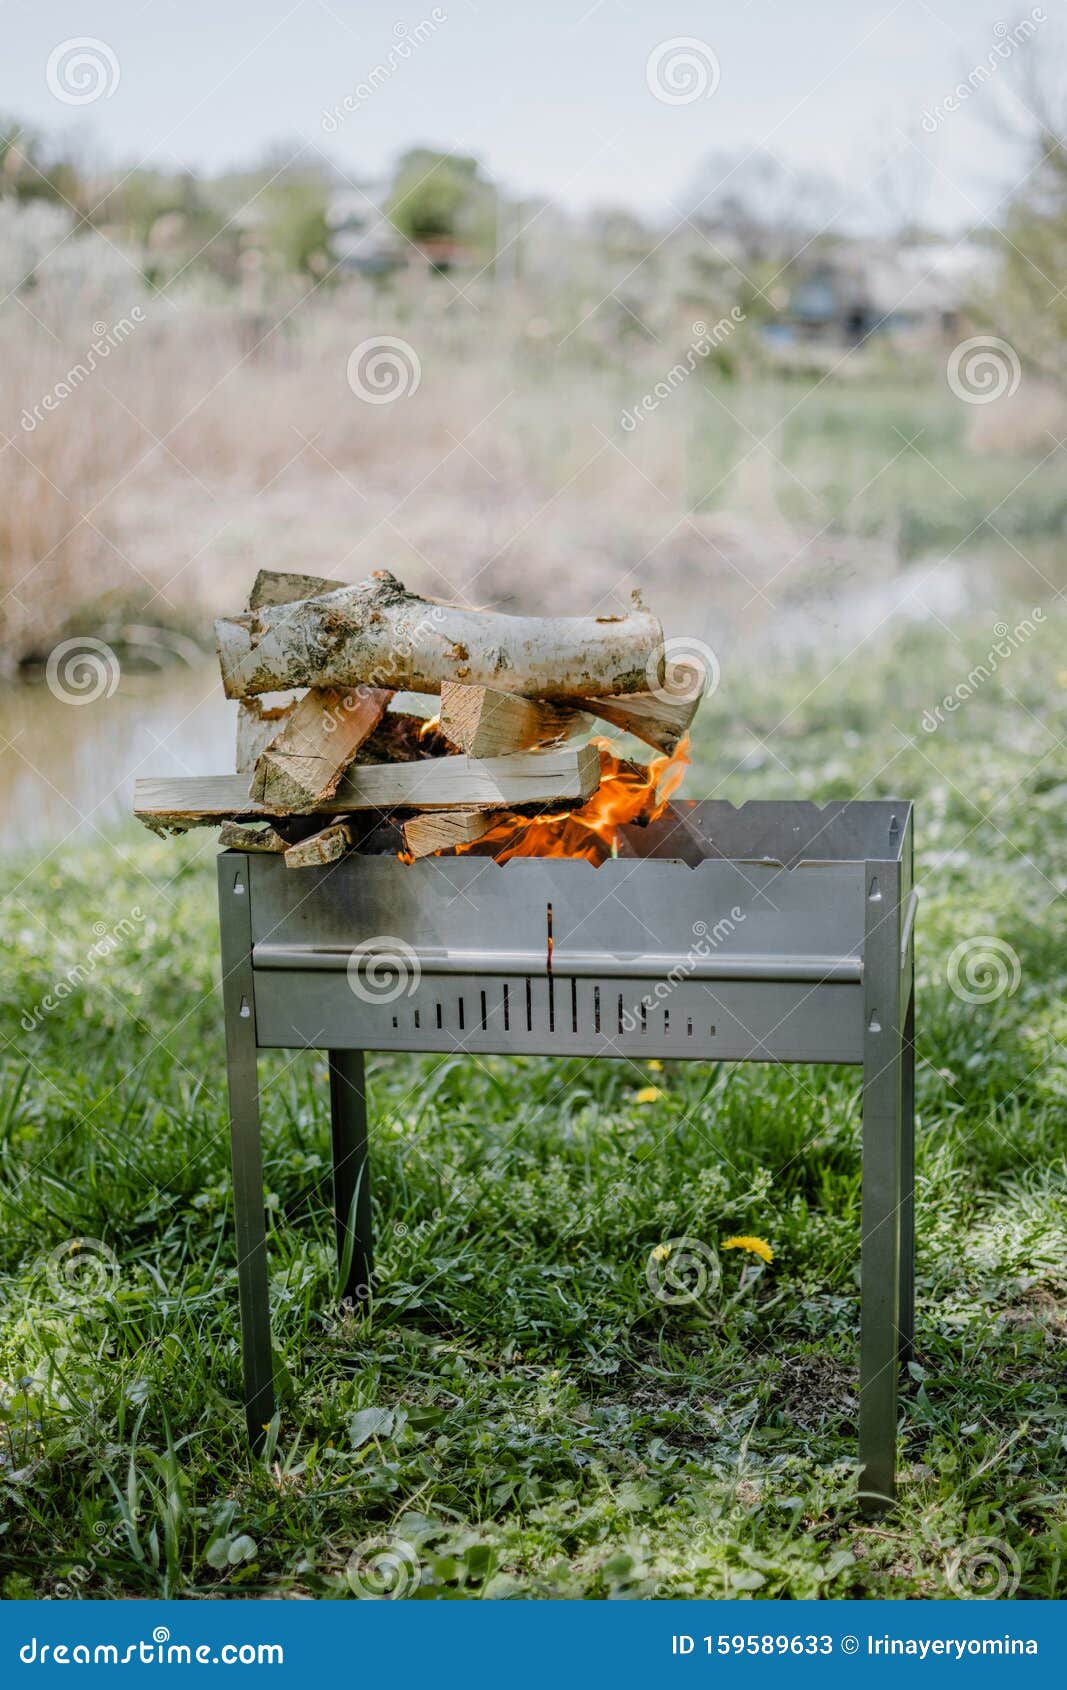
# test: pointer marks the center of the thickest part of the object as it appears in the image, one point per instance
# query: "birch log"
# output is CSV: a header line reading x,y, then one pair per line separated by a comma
x,y
378,633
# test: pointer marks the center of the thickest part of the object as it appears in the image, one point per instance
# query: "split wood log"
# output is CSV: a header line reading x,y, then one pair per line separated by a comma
x,y
439,783
484,723
439,830
272,587
322,847
378,633
658,721
318,741
257,725
237,838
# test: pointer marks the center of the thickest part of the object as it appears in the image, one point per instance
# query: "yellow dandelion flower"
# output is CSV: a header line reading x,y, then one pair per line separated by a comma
x,y
756,1247
648,1094
661,1252
655,1065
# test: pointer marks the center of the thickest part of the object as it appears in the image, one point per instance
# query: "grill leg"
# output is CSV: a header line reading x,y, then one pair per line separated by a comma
x,y
245,1148
907,1184
880,1263
351,1174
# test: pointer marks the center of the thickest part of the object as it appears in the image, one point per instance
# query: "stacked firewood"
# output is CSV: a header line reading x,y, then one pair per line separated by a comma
x,y
340,766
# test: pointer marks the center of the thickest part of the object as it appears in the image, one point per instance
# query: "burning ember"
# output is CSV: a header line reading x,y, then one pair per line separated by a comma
x,y
628,792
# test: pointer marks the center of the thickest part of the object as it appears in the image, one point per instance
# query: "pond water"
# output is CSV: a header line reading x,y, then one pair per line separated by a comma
x,y
70,766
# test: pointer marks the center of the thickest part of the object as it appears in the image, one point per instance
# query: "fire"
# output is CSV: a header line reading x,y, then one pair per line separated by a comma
x,y
628,792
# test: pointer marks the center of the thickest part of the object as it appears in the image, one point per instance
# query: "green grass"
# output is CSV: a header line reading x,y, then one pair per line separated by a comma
x,y
519,1416
878,458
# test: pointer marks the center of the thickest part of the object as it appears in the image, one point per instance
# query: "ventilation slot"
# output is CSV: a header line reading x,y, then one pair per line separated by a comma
x,y
529,1007
596,1007
507,1009
485,1015
574,1006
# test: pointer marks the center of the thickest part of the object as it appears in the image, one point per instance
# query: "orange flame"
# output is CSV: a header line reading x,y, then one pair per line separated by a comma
x,y
628,792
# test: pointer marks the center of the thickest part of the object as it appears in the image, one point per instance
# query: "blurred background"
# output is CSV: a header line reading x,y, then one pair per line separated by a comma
x,y
757,310
757,313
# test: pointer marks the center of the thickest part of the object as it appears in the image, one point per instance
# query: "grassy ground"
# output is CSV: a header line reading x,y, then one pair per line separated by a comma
x,y
519,1415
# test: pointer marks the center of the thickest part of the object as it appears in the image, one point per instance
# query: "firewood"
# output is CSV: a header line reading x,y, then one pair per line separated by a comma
x,y
378,633
484,723
257,725
439,783
322,847
304,763
439,830
272,587
403,737
658,721
238,838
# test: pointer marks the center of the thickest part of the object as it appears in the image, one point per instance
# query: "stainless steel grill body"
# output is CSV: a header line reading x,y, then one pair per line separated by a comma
x,y
786,936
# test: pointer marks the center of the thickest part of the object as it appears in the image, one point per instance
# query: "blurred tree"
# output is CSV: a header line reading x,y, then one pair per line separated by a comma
x,y
30,170
767,210
1027,306
442,202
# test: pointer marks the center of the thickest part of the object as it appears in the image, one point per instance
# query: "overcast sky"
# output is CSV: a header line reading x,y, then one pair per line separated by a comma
x,y
554,97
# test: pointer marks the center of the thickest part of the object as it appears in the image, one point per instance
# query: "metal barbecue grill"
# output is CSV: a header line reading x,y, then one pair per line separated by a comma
x,y
779,932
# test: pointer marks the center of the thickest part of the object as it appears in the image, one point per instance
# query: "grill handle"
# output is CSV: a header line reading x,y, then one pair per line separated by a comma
x,y
566,965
